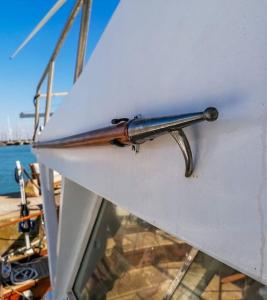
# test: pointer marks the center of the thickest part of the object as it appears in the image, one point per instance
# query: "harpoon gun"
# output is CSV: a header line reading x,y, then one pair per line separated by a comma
x,y
137,131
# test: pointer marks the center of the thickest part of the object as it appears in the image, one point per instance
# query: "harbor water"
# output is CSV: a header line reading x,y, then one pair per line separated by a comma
x,y
8,157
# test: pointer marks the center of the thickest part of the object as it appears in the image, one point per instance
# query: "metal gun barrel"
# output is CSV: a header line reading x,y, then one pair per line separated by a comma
x,y
141,130
135,131
100,136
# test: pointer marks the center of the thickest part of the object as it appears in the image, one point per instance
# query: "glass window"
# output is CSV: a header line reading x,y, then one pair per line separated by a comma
x,y
128,258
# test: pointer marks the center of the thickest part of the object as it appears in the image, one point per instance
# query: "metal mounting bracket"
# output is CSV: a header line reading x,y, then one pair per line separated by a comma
x,y
136,148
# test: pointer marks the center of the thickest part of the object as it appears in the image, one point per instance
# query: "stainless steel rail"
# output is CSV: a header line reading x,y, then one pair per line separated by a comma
x,y
49,70
50,80
57,94
86,11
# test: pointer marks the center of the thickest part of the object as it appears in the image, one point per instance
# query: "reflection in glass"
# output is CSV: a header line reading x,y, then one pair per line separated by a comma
x,y
127,258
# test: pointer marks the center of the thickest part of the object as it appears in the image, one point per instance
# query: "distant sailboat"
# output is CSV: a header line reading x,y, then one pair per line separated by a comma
x,y
9,133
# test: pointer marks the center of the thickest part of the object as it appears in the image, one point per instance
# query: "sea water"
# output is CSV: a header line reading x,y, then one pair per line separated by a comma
x,y
8,157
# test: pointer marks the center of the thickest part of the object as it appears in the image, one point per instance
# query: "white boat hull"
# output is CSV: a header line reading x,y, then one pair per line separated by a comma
x,y
158,58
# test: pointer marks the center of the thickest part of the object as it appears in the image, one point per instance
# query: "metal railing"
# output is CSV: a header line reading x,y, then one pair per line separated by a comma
x,y
48,73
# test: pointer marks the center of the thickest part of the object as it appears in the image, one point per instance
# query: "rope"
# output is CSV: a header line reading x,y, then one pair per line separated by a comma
x,y
18,274
5,268
21,274
22,219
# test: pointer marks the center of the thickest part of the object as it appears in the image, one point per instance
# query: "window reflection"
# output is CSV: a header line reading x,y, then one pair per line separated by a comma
x,y
127,258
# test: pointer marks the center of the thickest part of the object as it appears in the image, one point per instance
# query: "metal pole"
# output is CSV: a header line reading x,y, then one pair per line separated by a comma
x,y
21,183
50,79
181,273
86,10
37,113
61,39
36,118
56,94
23,203
39,26
23,115
50,216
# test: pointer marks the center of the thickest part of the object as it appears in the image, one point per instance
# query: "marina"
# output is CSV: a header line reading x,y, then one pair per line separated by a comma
x,y
15,143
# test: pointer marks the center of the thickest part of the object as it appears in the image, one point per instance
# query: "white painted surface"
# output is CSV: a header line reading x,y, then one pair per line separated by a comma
x,y
50,216
164,57
77,216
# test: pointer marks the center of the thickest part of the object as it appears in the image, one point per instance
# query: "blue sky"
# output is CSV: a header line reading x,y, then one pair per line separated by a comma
x,y
19,77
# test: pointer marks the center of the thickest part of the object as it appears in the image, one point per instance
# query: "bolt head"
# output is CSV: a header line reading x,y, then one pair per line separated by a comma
x,y
211,114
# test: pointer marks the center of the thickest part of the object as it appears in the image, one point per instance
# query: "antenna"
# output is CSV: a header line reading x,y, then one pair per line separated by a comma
x,y
39,26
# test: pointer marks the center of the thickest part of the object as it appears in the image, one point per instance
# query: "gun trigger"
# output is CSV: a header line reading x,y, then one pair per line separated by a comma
x,y
181,139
